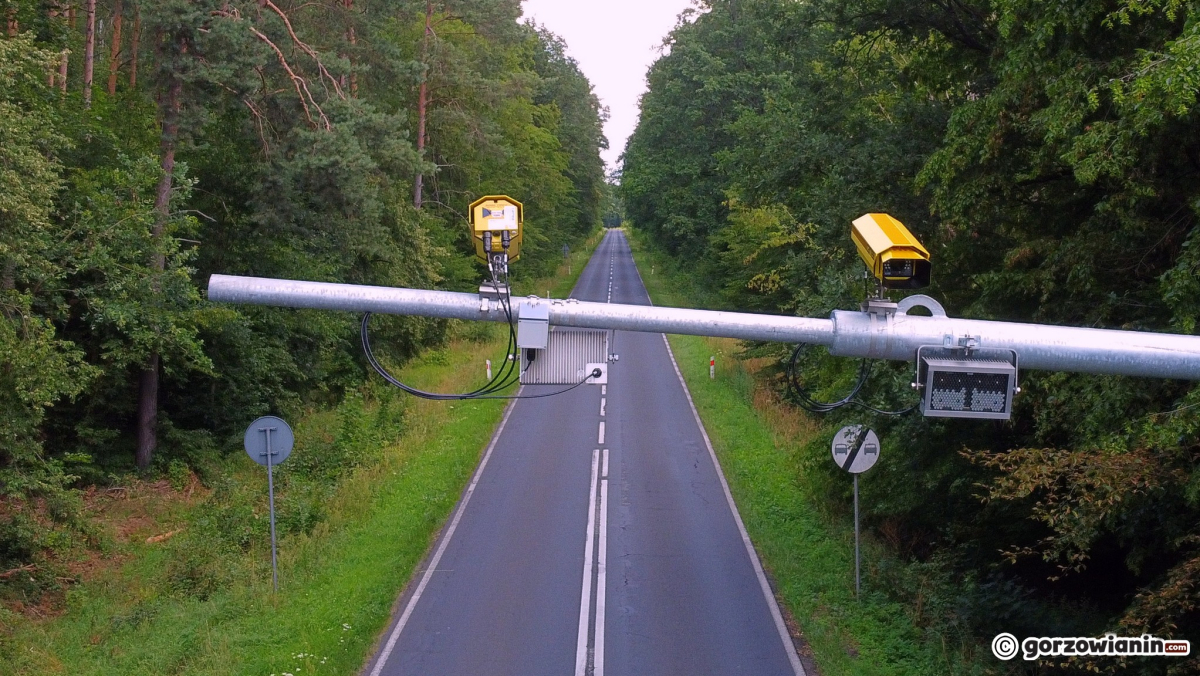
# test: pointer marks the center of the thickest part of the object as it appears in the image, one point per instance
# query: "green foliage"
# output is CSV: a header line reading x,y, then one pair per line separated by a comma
x,y
37,366
1047,155
291,130
200,601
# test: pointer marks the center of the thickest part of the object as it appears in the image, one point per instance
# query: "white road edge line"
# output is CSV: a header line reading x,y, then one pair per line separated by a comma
x,y
603,401
601,433
585,598
437,556
784,634
601,574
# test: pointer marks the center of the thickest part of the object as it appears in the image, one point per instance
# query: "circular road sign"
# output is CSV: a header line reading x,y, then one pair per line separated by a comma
x,y
281,440
855,448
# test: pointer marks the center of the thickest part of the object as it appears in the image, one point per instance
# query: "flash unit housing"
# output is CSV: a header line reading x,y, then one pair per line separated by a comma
x,y
496,220
895,258
956,384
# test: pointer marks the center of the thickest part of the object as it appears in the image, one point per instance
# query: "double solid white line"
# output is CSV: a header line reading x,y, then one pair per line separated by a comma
x,y
595,558
589,644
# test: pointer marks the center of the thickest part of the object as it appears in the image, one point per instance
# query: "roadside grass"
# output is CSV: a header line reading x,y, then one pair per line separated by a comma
x,y
807,547
200,601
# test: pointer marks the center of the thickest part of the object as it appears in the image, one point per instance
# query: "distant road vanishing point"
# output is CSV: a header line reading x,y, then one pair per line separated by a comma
x,y
597,537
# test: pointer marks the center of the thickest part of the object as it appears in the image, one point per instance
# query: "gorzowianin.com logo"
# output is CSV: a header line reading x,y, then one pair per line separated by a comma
x,y
1006,646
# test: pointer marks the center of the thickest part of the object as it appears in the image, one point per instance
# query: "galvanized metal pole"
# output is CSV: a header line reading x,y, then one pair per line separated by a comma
x,y
893,335
856,556
271,499
563,312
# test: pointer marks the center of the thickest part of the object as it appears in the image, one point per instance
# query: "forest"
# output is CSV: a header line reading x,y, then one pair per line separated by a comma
x,y
1048,156
145,144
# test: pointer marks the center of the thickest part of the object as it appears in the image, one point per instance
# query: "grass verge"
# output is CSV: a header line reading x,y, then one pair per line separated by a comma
x,y
184,583
806,546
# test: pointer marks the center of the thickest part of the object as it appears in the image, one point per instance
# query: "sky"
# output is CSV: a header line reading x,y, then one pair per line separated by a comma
x,y
614,41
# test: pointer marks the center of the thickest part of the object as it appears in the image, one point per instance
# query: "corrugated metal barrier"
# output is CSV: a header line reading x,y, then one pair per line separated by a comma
x,y
566,357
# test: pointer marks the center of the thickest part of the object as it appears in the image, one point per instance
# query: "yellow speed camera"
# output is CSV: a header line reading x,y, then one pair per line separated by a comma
x,y
496,222
891,252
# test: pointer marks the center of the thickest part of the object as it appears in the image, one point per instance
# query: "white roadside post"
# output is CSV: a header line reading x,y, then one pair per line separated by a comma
x,y
856,449
489,368
712,367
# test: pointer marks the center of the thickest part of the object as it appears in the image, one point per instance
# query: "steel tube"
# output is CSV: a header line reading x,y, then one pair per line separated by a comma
x,y
450,305
1038,346
849,334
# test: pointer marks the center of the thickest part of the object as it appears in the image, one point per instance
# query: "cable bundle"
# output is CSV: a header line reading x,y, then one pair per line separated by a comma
x,y
811,405
505,377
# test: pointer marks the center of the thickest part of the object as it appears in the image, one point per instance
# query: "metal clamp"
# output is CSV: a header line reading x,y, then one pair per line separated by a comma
x,y
967,343
921,300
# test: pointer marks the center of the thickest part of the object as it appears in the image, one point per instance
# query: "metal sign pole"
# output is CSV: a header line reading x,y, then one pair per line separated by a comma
x,y
271,498
856,556
269,450
856,450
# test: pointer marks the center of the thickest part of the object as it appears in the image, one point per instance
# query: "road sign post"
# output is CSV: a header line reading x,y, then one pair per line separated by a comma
x,y
269,441
856,450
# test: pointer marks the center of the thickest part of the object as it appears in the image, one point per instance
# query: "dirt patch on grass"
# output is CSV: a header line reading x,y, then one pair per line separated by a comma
x,y
117,519
142,509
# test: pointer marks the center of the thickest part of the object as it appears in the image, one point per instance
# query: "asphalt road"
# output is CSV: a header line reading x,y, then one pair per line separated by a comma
x,y
596,537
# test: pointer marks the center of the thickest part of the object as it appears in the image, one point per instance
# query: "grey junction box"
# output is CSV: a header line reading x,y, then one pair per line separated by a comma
x,y
533,325
969,388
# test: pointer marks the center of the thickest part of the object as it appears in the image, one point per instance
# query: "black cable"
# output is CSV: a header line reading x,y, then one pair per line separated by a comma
x,y
504,377
889,413
482,393
504,374
813,406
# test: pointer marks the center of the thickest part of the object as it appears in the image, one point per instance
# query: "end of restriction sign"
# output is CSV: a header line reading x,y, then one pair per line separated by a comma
x,y
855,448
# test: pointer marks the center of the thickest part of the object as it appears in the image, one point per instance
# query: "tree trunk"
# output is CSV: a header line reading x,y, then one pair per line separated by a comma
x,y
353,74
114,54
51,79
418,182
147,413
59,78
62,72
133,47
422,106
147,409
352,38
14,26
71,16
89,53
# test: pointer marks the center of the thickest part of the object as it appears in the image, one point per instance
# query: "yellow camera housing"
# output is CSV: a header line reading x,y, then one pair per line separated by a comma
x,y
891,252
495,218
